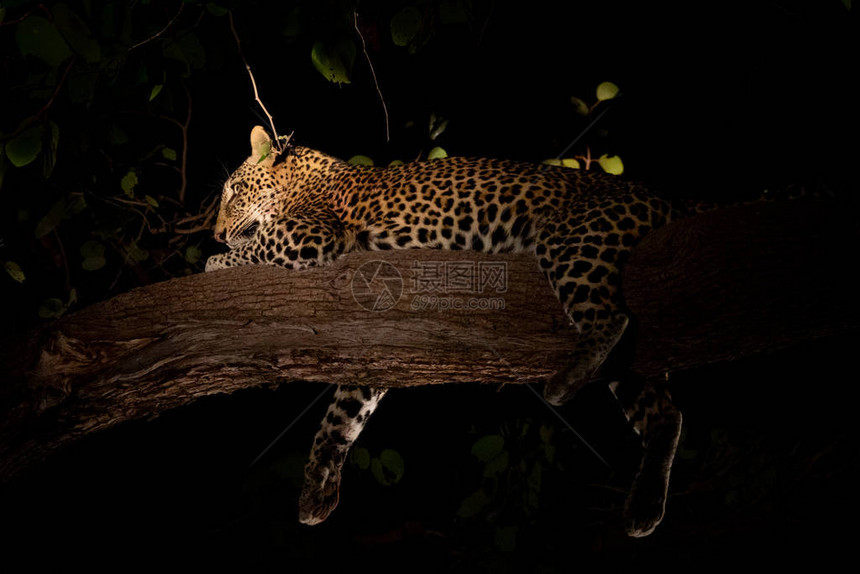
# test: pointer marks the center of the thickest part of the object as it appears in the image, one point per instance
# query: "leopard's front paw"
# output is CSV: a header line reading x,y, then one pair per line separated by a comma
x,y
320,494
216,262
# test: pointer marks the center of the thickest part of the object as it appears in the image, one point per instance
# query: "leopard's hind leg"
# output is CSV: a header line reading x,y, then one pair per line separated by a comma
x,y
345,418
658,422
581,253
580,257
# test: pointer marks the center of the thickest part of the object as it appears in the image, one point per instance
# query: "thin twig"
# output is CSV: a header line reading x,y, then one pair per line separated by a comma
x,y
62,81
160,32
68,284
486,23
27,15
206,225
183,171
372,73
44,109
278,145
206,211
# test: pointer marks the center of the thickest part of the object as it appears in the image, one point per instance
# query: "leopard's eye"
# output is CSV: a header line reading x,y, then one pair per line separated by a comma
x,y
232,190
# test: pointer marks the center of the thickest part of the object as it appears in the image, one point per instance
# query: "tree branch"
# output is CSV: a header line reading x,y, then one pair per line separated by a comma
x,y
278,142
160,32
712,288
372,73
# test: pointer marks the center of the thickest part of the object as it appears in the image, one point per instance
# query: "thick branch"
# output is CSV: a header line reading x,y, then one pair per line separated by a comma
x,y
742,281
712,288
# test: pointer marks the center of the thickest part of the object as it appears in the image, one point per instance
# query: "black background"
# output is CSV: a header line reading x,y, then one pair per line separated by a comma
x,y
719,99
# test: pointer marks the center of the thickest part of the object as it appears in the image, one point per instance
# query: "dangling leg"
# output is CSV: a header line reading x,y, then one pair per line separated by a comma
x,y
346,417
658,422
582,267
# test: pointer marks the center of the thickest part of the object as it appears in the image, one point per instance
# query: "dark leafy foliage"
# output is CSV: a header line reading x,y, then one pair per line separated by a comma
x,y
100,103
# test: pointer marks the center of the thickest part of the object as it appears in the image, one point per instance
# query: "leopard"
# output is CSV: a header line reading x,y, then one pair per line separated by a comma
x,y
302,208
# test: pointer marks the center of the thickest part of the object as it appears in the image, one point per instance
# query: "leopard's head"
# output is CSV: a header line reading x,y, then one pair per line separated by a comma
x,y
252,193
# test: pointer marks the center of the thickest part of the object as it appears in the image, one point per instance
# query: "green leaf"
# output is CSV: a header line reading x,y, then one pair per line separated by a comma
x,y
473,504
76,204
50,158
437,126
488,447
150,200
156,89
552,161
40,38
437,153
128,183
395,163
579,106
606,91
189,51
193,254
168,153
454,11
388,468
116,136
361,457
216,10
3,164
497,465
14,270
51,219
549,452
76,33
92,248
611,164
136,253
265,149
570,162
334,61
405,25
846,3
93,263
25,147
360,160
2,13
51,308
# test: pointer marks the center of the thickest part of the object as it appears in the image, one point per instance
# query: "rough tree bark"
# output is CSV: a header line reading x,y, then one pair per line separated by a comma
x,y
715,287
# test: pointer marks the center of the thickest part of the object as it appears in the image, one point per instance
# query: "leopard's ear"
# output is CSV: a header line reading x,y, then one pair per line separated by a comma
x,y
261,146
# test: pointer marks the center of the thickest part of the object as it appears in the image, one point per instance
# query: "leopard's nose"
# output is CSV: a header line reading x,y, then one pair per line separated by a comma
x,y
221,236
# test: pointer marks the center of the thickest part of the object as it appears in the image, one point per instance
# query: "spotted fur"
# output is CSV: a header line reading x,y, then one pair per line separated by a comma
x,y
307,208
344,420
